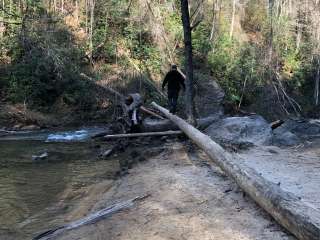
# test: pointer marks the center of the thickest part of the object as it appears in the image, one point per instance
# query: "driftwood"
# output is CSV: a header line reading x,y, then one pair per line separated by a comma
x,y
145,134
92,218
290,211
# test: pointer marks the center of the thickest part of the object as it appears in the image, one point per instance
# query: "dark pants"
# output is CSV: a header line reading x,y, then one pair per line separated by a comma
x,y
135,121
173,100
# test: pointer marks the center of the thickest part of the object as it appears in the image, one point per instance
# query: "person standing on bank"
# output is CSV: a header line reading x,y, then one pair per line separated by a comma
x,y
175,81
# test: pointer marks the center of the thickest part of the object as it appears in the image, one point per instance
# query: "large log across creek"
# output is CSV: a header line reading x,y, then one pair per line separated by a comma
x,y
290,211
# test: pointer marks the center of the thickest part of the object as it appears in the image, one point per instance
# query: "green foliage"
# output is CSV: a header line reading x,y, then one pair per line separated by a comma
x,y
235,64
43,63
46,71
173,23
223,60
200,39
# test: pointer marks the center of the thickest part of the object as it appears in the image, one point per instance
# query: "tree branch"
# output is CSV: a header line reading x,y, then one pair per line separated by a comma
x,y
196,24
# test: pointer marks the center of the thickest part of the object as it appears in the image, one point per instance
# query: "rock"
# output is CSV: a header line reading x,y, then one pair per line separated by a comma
x,y
294,131
42,156
302,128
207,121
209,95
30,127
238,130
285,139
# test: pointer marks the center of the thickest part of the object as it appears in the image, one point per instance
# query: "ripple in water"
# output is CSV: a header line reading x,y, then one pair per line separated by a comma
x,y
80,135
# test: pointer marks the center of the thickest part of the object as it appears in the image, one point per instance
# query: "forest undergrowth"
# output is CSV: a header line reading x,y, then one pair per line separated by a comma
x,y
261,53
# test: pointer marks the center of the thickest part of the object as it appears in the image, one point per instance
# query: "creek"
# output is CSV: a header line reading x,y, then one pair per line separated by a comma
x,y
33,192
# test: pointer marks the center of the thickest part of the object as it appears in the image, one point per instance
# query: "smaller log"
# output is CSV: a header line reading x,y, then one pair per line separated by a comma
x,y
276,124
102,134
146,110
145,134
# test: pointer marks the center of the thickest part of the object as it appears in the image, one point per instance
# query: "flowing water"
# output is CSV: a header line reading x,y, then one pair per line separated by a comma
x,y
30,190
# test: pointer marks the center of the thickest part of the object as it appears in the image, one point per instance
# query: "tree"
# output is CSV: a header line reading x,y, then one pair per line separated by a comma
x,y
189,104
233,17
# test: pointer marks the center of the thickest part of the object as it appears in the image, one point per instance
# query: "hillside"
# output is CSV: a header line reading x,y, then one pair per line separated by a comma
x,y
261,53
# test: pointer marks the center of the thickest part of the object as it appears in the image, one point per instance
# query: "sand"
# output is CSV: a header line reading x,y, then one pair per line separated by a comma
x,y
189,199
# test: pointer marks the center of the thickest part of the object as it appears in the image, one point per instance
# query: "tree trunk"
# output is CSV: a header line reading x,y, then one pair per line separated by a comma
x,y
287,209
316,88
2,27
159,125
77,11
92,4
189,104
214,19
86,7
233,16
271,31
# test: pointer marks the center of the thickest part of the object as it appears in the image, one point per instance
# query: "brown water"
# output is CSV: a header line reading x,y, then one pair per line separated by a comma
x,y
30,191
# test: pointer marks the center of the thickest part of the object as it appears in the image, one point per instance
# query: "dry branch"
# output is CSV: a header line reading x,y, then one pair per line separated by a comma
x,y
290,211
92,218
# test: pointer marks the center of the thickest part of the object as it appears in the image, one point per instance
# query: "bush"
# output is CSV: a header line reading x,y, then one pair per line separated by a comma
x,y
47,67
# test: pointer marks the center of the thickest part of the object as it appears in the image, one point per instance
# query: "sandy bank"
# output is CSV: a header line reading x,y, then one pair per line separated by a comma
x,y
189,200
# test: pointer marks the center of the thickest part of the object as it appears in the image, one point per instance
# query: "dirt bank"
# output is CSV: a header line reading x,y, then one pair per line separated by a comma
x,y
189,199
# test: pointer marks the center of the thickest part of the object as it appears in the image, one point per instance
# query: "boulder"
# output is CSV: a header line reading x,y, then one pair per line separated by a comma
x,y
302,128
286,138
294,131
209,95
239,130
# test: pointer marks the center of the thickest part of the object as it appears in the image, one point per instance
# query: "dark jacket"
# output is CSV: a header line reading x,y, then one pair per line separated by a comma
x,y
175,80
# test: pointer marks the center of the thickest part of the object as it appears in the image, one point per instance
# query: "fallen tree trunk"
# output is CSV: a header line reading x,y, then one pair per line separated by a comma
x,y
158,125
287,209
145,134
